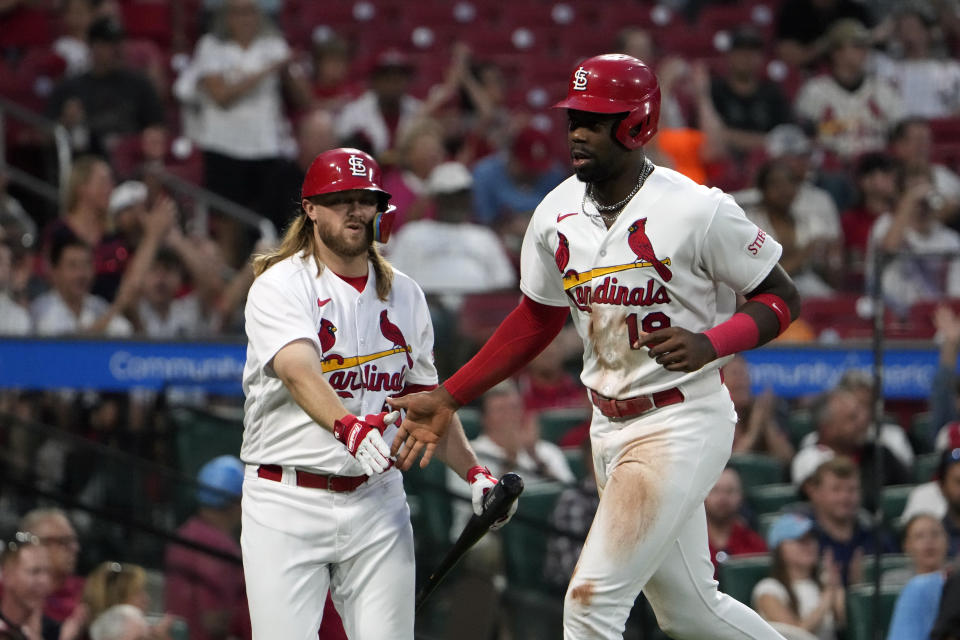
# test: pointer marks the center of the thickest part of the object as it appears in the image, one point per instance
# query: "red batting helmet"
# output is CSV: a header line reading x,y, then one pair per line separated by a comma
x,y
616,83
345,169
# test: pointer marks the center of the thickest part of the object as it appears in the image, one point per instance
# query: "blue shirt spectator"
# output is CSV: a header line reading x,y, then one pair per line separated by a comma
x,y
916,608
515,181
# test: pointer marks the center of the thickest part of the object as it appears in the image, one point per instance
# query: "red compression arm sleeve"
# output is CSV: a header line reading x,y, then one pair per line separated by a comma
x,y
520,337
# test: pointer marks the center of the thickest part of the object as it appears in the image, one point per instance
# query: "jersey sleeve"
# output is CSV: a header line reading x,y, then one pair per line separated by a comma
x,y
424,370
539,279
277,314
736,251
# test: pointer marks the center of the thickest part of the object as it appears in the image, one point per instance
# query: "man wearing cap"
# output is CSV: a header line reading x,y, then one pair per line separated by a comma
x,y
374,120
748,104
850,107
109,99
516,180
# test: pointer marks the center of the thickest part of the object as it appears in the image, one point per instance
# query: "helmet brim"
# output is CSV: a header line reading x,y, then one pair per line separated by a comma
x,y
592,104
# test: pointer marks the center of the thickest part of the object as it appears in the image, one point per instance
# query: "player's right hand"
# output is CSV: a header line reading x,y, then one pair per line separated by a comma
x,y
364,439
481,481
428,415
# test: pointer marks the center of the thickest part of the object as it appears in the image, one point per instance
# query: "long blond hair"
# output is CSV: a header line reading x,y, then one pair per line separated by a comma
x,y
298,239
79,176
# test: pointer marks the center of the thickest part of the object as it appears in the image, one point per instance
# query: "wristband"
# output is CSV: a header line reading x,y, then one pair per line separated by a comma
x,y
739,333
776,304
478,470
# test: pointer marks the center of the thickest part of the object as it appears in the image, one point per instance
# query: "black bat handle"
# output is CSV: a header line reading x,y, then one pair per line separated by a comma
x,y
509,486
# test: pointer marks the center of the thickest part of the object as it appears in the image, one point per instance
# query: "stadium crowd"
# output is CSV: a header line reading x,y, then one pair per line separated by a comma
x,y
835,125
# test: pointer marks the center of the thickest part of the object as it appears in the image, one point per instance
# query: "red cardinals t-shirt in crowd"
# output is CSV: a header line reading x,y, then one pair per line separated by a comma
x,y
742,540
61,603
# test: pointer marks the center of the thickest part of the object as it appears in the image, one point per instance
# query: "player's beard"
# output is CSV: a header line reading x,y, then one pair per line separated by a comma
x,y
338,241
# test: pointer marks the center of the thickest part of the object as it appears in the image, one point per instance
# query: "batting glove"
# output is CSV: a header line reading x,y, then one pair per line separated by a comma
x,y
481,481
364,439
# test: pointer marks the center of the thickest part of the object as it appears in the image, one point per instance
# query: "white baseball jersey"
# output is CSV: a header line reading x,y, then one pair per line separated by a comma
x,y
370,350
675,256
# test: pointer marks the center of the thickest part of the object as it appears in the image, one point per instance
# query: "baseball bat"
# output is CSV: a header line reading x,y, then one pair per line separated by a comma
x,y
496,504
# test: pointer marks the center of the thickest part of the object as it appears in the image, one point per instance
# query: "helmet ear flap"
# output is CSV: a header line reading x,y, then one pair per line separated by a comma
x,y
383,224
640,124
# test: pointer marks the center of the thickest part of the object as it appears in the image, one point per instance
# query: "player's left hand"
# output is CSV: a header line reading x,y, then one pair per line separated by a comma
x,y
677,349
481,481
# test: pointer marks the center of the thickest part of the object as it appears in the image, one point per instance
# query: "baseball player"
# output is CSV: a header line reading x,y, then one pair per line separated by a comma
x,y
650,264
333,330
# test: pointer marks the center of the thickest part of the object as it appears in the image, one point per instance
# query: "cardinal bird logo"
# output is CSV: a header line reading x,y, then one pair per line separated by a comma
x,y
327,335
640,245
562,256
392,333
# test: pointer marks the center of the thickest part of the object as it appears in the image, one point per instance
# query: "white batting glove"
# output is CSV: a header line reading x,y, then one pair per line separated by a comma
x,y
481,481
364,439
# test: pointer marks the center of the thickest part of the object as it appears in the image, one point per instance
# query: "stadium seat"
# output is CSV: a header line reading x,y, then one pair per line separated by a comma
x,y
920,432
482,313
756,469
893,499
771,498
202,436
525,538
860,611
738,575
575,460
925,466
554,423
429,503
888,561
471,419
799,424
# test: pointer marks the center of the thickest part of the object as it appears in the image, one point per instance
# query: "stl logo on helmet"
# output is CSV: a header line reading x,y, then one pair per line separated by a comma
x,y
580,79
357,167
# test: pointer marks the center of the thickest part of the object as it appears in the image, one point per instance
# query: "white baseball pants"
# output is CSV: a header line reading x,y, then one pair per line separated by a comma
x,y
650,531
297,542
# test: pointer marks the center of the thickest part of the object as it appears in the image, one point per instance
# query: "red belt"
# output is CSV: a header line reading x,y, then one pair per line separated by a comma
x,y
340,484
637,405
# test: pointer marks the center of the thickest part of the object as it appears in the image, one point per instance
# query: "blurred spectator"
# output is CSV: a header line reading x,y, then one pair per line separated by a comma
x,y
451,256
801,25
545,384
811,250
515,180
375,121
70,307
209,592
240,70
803,590
419,151
314,136
930,497
332,83
927,82
876,181
911,143
850,108
915,611
727,530
843,428
747,102
670,69
109,100
14,319
834,491
572,514
87,202
120,622
759,418
76,17
163,314
944,398
947,624
925,542
892,435
930,270
26,584
510,441
54,533
115,583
